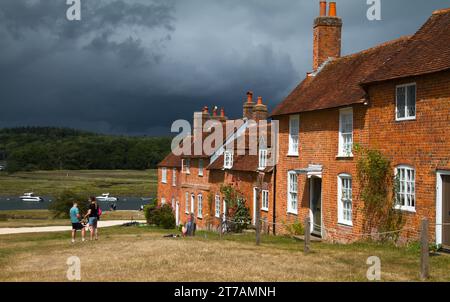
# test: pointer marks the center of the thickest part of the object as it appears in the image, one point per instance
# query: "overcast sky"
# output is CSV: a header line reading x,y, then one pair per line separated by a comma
x,y
132,67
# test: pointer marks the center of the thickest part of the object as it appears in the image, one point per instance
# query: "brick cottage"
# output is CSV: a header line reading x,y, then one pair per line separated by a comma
x,y
192,183
394,97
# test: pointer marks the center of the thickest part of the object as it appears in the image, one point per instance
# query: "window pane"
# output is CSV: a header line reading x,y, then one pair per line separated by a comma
x,y
401,102
411,102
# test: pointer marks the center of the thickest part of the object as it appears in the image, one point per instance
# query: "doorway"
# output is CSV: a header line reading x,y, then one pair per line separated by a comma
x,y
446,212
315,198
177,213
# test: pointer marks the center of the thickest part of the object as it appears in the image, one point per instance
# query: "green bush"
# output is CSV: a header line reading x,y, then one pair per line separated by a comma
x,y
241,218
161,216
296,229
60,207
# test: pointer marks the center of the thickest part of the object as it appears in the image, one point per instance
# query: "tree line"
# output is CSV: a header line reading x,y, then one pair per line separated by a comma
x,y
50,148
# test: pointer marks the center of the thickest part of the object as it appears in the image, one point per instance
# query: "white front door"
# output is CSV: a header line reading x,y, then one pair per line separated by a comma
x,y
255,193
177,213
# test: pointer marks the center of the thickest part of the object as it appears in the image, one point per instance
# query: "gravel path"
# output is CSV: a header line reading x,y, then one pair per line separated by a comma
x,y
101,224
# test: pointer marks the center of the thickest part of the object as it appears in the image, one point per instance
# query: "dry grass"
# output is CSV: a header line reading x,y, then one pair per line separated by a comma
x,y
142,254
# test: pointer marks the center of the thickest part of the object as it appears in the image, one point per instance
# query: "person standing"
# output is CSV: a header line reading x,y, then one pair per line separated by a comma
x,y
75,218
93,218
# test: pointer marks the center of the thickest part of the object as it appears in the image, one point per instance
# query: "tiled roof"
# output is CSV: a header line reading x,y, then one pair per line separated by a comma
x,y
171,161
427,51
337,83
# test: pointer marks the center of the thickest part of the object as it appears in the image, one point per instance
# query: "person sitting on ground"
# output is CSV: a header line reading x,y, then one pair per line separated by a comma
x,y
75,218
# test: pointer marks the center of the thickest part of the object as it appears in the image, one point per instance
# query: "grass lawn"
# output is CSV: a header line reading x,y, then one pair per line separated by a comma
x,y
34,218
142,254
128,183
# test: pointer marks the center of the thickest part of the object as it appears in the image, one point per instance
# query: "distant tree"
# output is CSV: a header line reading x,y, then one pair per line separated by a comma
x,y
60,207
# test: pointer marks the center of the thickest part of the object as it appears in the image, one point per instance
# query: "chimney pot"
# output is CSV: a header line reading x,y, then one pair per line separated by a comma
x,y
206,110
215,111
260,100
323,8
249,97
332,11
222,112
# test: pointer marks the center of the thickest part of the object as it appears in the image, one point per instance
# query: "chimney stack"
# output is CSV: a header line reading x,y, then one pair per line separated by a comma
x,y
260,111
248,106
327,35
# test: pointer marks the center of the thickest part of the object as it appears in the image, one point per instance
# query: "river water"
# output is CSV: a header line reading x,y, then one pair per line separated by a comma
x,y
14,203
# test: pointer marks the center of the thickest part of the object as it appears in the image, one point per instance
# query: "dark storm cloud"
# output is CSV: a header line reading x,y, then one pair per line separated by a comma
x,y
134,66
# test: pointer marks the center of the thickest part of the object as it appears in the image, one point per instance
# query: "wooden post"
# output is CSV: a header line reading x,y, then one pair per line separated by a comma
x,y
424,251
307,229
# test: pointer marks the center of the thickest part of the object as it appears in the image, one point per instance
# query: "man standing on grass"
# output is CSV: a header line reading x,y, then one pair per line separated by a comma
x,y
76,224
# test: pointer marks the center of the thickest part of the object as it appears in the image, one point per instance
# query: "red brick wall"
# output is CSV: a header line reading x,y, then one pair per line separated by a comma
x,y
318,144
423,143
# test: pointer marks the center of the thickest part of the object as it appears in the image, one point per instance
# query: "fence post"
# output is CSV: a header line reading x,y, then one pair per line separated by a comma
x,y
307,234
424,251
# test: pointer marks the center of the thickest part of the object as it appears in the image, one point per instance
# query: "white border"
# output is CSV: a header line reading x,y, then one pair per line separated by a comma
x,y
439,175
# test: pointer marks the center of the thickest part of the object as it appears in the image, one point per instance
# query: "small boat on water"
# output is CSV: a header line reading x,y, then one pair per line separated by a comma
x,y
31,197
106,197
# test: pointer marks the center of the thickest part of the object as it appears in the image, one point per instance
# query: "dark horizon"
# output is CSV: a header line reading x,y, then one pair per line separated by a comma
x,y
132,67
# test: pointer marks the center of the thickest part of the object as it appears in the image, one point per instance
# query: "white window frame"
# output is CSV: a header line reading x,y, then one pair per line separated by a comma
x,y
164,175
174,177
217,206
186,165
342,152
406,117
265,200
187,202
404,184
294,137
262,159
200,167
163,201
200,206
291,190
228,159
193,203
341,208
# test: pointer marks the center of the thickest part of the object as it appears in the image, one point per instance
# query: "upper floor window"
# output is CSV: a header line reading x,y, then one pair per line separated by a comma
x,y
292,192
406,102
174,177
345,132
345,204
262,159
186,165
217,206
294,128
164,175
200,167
265,200
228,159
406,188
163,201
